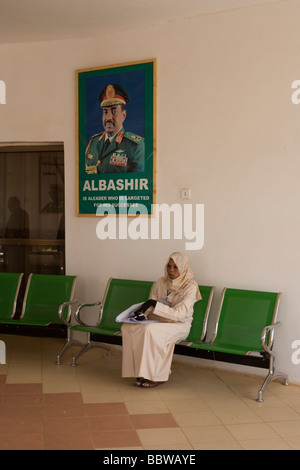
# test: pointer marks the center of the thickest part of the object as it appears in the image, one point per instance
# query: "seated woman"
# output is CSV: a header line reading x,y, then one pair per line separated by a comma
x,y
148,348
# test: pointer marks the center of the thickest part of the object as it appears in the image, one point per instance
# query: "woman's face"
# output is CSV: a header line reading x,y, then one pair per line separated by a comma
x,y
172,269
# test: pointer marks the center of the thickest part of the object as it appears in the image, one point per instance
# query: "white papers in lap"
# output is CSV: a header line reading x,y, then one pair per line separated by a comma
x,y
126,316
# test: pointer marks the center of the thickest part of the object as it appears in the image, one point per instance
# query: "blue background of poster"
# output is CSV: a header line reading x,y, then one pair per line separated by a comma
x,y
134,83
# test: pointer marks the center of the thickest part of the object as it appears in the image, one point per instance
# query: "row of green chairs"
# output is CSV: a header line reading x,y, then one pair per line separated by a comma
x,y
119,295
244,324
48,299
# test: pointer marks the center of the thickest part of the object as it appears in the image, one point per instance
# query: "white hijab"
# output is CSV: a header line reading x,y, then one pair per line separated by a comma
x,y
186,275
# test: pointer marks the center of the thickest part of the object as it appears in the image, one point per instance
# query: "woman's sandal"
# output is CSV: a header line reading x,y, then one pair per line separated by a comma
x,y
138,381
150,384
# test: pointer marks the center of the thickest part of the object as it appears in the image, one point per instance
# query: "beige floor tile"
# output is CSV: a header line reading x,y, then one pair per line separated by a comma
x,y
171,447
265,444
243,432
231,402
292,400
129,392
101,397
4,368
250,392
177,393
27,374
281,413
98,387
293,442
60,388
237,416
145,406
204,434
219,445
286,428
187,405
162,437
279,389
95,380
270,401
214,392
236,380
59,379
196,418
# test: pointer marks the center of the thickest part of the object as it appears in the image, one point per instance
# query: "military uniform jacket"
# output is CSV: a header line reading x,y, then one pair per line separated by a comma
x,y
126,153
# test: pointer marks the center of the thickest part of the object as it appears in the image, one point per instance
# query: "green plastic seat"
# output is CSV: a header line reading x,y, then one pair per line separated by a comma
x,y
242,316
43,296
120,294
9,290
200,316
245,324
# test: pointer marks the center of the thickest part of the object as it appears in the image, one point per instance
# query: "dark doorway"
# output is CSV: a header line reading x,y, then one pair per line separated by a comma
x,y
32,222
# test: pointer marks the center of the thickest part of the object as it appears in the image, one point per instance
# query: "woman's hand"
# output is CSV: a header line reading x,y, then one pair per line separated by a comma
x,y
139,313
145,306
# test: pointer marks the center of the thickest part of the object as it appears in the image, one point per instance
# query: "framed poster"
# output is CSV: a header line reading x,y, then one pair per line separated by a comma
x,y
116,137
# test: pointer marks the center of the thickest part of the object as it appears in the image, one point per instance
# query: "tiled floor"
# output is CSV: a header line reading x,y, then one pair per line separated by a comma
x,y
45,406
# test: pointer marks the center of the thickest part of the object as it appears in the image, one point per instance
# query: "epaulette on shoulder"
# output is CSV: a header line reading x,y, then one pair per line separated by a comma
x,y
133,137
100,136
95,136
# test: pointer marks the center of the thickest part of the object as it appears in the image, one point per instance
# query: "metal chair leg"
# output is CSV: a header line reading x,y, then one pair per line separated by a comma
x,y
89,345
270,377
82,351
67,345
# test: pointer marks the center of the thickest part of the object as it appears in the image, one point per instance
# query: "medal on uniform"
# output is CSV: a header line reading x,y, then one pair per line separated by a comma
x,y
118,158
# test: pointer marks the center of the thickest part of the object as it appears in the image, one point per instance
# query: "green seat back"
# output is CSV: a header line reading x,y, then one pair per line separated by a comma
x,y
120,295
9,289
44,294
243,316
200,315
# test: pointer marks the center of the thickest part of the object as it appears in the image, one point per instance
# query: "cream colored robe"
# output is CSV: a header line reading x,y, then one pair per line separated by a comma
x,y
148,349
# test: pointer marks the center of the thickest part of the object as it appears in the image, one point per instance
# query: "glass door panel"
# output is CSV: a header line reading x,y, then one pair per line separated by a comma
x,y
32,228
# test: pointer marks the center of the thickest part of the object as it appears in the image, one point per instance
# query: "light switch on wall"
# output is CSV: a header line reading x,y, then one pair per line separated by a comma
x,y
185,193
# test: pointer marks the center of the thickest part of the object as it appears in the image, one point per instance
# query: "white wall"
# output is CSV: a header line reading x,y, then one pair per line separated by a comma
x,y
223,82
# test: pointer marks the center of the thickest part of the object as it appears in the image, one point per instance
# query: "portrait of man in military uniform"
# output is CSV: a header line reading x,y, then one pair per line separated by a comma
x,y
114,150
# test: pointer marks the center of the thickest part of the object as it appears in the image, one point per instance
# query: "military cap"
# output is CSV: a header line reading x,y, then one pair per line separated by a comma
x,y
113,94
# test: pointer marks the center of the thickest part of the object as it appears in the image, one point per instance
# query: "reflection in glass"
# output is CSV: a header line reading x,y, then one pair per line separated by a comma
x,y
32,228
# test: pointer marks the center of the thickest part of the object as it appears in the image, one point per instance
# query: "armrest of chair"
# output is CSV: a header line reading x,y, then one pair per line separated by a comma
x,y
263,337
81,307
61,308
